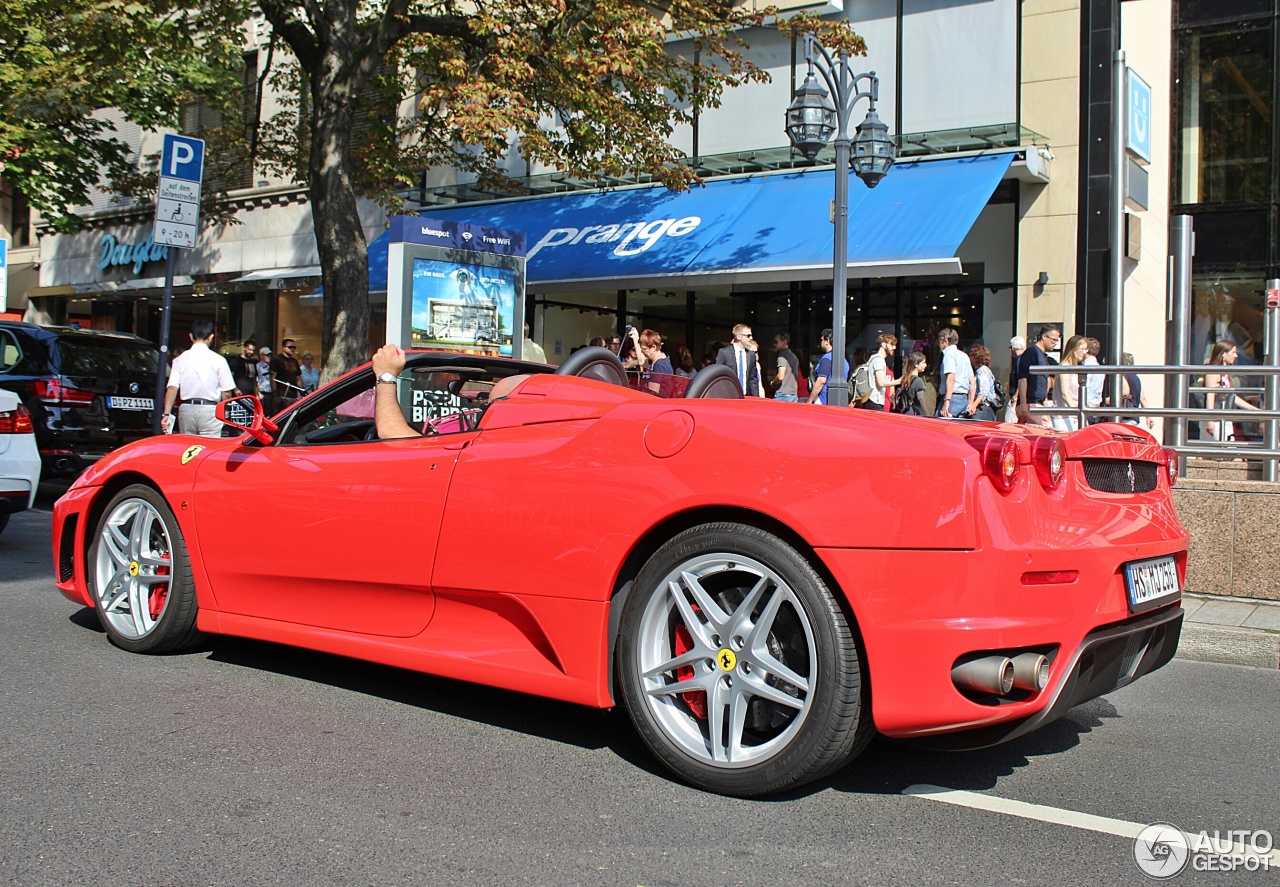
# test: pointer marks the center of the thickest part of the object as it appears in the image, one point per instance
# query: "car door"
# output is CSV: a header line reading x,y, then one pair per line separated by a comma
x,y
335,532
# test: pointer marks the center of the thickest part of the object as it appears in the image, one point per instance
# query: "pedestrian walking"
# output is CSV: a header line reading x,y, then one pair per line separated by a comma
x,y
1017,345
822,372
1033,390
785,382
202,378
310,374
262,380
957,376
742,360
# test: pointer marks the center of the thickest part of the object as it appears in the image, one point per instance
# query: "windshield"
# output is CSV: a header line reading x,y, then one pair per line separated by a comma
x,y
669,387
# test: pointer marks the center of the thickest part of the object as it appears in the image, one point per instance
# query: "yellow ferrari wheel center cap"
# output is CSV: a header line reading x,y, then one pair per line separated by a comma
x,y
726,660
133,568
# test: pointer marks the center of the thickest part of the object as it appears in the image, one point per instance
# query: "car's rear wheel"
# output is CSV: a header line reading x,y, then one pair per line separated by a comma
x,y
140,575
737,664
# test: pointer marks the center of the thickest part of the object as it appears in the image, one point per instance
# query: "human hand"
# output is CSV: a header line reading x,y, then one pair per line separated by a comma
x,y
388,359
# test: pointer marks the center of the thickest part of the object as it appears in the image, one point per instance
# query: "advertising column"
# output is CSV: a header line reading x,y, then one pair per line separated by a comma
x,y
455,287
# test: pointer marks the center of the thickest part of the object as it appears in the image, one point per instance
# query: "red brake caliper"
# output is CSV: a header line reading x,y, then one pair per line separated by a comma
x,y
159,594
695,699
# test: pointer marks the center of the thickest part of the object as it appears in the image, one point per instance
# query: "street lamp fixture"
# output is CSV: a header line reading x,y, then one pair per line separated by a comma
x,y
812,118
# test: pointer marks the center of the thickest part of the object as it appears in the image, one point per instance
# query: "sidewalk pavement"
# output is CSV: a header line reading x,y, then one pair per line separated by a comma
x,y
1236,631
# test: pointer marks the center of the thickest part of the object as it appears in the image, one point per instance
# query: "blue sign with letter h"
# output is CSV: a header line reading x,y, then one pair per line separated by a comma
x,y
182,158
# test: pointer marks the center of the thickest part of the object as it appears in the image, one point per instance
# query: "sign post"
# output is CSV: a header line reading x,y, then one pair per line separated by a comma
x,y
177,220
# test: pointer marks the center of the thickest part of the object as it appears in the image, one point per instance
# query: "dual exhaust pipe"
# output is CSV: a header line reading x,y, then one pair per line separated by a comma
x,y
1001,675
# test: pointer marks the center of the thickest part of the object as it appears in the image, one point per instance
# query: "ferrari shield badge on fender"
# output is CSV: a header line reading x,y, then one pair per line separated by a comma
x,y
190,453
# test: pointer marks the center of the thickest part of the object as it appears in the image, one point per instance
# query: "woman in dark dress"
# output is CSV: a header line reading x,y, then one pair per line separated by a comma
x,y
910,398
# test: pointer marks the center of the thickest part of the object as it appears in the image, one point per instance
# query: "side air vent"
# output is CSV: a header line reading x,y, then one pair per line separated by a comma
x,y
67,550
1120,475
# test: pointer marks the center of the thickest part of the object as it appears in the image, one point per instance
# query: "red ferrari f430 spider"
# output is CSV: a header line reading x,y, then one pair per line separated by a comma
x,y
763,586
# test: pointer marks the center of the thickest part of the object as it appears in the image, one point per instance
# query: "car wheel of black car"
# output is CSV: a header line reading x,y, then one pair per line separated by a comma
x,y
737,665
4,521
140,574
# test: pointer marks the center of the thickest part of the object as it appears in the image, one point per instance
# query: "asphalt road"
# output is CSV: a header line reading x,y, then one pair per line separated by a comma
x,y
244,763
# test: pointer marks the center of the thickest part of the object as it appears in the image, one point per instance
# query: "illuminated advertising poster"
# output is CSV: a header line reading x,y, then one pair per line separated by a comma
x,y
463,307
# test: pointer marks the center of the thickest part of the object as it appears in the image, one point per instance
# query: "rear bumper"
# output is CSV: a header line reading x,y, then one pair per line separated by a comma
x,y
19,477
921,612
1107,660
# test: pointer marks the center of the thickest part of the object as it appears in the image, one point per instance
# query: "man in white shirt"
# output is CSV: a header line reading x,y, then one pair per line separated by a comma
x,y
531,350
202,377
957,376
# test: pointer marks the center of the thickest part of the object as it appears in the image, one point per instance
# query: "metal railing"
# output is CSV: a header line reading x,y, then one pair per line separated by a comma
x,y
1267,450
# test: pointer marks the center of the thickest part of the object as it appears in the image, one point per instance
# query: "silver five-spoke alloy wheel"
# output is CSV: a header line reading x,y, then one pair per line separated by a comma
x,y
737,664
141,581
134,568
733,673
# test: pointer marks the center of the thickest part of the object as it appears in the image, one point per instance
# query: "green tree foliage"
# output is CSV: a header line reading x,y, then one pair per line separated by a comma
x,y
373,93
62,64
589,87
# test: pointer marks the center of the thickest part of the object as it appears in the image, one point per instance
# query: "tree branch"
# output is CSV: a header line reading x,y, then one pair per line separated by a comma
x,y
300,38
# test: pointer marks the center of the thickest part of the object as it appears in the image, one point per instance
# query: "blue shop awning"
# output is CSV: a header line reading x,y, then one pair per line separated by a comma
x,y
757,228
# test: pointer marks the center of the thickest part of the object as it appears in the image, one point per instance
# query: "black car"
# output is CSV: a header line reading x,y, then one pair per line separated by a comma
x,y
88,391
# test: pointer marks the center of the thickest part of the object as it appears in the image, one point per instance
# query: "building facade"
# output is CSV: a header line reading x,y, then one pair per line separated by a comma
x,y
1011,82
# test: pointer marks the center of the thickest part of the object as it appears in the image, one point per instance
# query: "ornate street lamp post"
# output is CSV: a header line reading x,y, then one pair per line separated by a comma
x,y
811,119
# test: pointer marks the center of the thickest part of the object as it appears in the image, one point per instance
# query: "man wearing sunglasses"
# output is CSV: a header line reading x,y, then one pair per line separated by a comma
x,y
286,374
741,358
1034,390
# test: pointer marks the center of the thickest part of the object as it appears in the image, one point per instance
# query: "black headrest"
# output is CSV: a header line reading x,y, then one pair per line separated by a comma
x,y
716,380
594,363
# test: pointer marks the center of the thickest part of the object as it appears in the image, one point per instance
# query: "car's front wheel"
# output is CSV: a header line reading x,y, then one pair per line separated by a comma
x,y
737,665
140,575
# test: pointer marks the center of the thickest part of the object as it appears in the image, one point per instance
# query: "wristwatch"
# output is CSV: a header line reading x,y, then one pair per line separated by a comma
x,y
387,379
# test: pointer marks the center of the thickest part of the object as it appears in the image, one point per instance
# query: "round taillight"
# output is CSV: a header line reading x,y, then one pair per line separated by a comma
x,y
1000,461
1050,459
1171,464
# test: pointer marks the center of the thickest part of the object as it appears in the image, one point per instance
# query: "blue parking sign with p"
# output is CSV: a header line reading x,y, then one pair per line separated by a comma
x,y
182,158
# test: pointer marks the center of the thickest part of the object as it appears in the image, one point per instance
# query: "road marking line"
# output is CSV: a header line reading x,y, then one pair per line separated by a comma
x,y
1057,816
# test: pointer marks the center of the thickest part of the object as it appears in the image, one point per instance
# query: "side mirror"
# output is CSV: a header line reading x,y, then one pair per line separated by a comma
x,y
245,413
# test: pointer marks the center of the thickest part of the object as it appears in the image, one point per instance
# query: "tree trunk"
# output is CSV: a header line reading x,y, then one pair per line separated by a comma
x,y
344,260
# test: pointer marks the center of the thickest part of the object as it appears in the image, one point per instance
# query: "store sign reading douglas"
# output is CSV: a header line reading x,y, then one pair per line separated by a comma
x,y
135,254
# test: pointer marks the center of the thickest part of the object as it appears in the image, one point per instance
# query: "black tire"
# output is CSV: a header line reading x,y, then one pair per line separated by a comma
x,y
4,521
139,574
801,709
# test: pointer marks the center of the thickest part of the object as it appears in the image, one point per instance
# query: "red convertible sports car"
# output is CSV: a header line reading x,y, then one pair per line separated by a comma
x,y
764,586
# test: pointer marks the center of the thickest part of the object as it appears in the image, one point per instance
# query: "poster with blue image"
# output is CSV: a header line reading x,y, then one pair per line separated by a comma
x,y
462,307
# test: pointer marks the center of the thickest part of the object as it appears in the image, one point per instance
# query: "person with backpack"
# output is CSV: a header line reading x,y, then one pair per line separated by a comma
x,y
871,380
986,399
910,399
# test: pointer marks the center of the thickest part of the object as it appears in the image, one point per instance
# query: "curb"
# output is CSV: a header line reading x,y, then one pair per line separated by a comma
x,y
1229,645
1230,631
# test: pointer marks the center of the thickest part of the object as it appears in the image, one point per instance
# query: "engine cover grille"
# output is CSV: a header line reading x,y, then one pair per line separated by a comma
x,y
1120,475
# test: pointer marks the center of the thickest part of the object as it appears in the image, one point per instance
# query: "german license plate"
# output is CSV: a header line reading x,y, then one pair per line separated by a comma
x,y
1151,583
131,403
